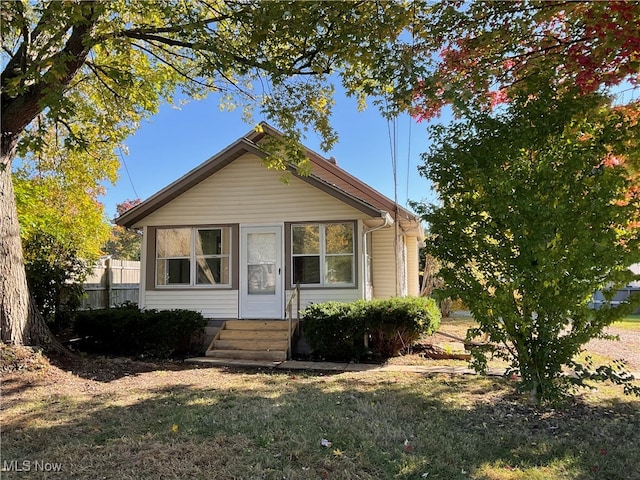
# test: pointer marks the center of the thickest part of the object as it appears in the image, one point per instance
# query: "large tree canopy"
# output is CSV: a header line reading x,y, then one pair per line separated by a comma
x,y
480,53
83,74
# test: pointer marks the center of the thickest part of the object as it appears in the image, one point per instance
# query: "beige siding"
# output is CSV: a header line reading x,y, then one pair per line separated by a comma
x,y
247,192
413,266
307,297
211,303
383,263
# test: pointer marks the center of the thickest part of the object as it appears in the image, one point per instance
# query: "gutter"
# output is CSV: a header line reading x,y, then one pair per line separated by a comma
x,y
387,222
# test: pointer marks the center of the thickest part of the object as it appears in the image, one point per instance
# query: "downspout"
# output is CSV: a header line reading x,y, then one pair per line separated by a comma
x,y
388,221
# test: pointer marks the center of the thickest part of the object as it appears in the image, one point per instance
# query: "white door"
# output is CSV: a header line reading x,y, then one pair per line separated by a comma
x,y
261,286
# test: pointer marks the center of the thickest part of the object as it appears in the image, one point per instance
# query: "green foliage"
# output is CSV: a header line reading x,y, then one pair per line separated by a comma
x,y
55,274
126,330
395,324
538,212
101,68
337,330
334,331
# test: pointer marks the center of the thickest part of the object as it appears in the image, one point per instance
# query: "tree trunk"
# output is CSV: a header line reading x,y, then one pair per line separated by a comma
x,y
20,321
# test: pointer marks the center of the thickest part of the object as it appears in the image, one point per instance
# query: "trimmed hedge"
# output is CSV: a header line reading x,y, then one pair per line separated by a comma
x,y
334,330
127,330
337,330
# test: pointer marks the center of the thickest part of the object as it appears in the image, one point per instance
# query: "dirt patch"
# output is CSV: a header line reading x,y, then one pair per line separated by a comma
x,y
449,342
627,348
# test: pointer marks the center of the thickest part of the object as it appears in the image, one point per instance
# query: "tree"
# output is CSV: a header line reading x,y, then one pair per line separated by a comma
x,y
90,71
124,243
481,53
538,212
57,194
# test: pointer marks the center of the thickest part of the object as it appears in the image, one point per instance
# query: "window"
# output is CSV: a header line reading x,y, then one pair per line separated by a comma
x,y
193,256
323,254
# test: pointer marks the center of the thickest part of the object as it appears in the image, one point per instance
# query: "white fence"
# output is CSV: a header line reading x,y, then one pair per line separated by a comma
x,y
112,282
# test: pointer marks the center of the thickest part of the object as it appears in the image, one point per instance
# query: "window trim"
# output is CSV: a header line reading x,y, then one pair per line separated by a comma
x,y
323,285
233,256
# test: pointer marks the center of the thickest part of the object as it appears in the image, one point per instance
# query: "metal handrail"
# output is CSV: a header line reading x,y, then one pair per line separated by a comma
x,y
294,295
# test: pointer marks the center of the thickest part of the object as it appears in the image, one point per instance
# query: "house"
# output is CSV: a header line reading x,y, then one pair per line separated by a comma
x,y
232,240
621,295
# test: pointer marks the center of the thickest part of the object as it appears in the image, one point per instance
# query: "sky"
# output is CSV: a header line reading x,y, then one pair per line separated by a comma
x,y
176,140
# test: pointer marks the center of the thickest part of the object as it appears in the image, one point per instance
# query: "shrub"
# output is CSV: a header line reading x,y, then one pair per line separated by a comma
x,y
333,331
337,330
127,330
397,323
55,274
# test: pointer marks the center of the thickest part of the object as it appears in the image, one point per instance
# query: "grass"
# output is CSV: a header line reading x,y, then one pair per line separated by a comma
x,y
218,424
631,322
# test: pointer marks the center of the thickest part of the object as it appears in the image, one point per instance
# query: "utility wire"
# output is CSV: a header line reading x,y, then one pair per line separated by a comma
x,y
126,169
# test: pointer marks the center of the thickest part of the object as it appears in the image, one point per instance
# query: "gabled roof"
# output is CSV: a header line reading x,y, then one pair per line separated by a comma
x,y
325,175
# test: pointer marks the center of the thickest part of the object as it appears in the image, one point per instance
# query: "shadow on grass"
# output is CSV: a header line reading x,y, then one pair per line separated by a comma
x,y
260,425
109,368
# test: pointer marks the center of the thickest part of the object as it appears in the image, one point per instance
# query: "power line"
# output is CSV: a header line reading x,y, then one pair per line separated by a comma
x,y
126,169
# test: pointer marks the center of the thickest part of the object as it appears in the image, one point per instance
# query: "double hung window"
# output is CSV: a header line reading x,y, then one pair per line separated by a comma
x,y
323,254
193,256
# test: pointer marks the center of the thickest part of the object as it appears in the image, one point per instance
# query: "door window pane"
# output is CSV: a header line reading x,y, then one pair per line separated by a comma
x,y
261,279
261,263
261,248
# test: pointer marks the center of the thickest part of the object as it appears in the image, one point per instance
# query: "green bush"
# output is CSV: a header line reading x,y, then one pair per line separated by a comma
x,y
337,330
127,330
333,331
395,324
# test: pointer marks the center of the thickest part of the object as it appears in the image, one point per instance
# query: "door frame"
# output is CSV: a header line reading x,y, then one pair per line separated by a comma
x,y
243,294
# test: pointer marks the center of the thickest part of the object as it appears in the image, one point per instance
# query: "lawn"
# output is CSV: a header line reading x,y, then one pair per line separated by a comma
x,y
119,419
632,322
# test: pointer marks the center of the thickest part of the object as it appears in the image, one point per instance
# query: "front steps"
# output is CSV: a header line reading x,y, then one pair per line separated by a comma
x,y
252,340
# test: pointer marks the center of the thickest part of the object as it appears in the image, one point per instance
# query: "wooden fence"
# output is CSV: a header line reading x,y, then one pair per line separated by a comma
x,y
112,283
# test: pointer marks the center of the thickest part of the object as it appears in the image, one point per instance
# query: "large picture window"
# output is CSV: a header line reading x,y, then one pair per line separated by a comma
x,y
323,254
193,256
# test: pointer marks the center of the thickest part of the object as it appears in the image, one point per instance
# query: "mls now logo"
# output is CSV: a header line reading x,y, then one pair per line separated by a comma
x,y
30,466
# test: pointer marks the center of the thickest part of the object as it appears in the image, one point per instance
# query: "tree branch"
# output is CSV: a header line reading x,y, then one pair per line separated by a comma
x,y
19,111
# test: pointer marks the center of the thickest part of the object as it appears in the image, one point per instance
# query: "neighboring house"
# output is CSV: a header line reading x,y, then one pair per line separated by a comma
x,y
231,239
623,294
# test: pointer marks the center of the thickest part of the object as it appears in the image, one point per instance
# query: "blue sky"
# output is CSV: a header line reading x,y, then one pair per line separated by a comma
x,y
176,140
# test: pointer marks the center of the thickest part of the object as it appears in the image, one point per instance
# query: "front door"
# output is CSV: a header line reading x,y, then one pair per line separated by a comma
x,y
261,272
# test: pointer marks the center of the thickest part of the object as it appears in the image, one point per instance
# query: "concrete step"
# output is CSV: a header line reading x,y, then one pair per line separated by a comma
x,y
273,355
265,345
